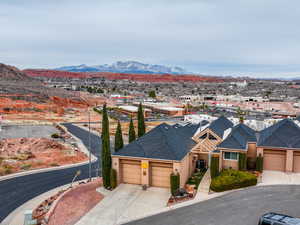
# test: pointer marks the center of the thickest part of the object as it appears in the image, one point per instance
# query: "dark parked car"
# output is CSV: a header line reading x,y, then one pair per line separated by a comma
x,y
278,219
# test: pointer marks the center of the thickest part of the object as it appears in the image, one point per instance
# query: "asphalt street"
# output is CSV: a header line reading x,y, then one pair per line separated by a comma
x,y
15,192
237,208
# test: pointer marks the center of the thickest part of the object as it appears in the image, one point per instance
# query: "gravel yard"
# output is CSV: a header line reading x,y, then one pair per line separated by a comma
x,y
27,131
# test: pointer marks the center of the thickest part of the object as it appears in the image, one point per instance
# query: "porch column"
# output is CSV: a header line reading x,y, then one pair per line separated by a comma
x,y
289,161
220,160
145,172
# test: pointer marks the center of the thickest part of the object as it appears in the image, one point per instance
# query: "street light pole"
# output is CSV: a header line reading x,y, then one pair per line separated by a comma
x,y
90,154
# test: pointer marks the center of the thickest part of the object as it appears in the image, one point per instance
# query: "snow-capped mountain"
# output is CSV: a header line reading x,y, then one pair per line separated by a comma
x,y
125,67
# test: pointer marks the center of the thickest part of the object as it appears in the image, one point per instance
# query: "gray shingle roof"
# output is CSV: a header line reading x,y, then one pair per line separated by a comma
x,y
219,125
162,142
298,118
283,134
239,137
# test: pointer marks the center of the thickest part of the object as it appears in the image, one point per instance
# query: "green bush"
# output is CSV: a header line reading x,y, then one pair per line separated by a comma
x,y
214,167
113,178
175,183
232,179
196,178
259,163
55,135
242,161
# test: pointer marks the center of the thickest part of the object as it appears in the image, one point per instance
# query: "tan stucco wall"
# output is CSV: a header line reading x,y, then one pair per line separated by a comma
x,y
145,172
184,170
234,164
252,151
116,166
260,151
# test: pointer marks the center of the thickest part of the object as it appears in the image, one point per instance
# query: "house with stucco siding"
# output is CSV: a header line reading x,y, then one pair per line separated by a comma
x,y
165,149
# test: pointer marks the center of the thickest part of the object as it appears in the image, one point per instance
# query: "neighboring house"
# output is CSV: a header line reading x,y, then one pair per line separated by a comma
x,y
241,139
165,149
280,146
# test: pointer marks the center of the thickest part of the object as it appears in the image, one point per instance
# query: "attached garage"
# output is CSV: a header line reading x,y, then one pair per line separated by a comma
x,y
160,174
131,171
274,160
296,163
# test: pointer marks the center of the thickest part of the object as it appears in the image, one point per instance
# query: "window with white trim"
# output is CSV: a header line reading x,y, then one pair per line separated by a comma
x,y
230,155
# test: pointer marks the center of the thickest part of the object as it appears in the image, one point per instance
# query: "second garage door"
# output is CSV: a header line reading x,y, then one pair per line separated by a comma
x,y
131,172
296,164
274,160
160,174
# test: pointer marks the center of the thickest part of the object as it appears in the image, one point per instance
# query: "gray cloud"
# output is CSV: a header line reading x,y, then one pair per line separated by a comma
x,y
207,36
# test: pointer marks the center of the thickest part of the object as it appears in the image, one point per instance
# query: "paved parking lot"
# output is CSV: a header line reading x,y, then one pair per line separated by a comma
x,y
236,208
27,131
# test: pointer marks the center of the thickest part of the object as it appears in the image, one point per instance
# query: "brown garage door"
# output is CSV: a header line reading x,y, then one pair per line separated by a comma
x,y
296,164
274,160
160,174
131,172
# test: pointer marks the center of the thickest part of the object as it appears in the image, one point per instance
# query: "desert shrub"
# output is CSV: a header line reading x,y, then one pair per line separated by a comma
x,y
174,183
196,178
113,178
5,169
54,164
232,179
55,135
26,166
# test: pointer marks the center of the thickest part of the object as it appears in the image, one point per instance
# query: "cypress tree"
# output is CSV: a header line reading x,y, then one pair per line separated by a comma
x,y
118,138
141,121
106,155
131,132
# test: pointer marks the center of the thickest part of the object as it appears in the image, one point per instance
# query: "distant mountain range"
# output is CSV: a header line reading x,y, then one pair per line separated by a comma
x,y
126,67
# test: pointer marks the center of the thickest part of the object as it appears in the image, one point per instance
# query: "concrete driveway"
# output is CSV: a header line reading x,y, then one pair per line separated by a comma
x,y
276,177
127,202
235,208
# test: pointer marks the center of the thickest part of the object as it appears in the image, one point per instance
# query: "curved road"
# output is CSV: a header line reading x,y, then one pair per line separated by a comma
x,y
16,191
236,208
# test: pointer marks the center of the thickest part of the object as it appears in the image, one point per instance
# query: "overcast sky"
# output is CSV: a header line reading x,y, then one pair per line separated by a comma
x,y
235,37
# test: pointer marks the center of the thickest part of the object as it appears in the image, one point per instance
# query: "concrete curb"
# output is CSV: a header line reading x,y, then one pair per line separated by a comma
x,y
81,146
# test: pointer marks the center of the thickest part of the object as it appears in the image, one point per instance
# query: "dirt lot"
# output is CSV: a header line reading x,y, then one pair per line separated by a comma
x,y
21,154
82,199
